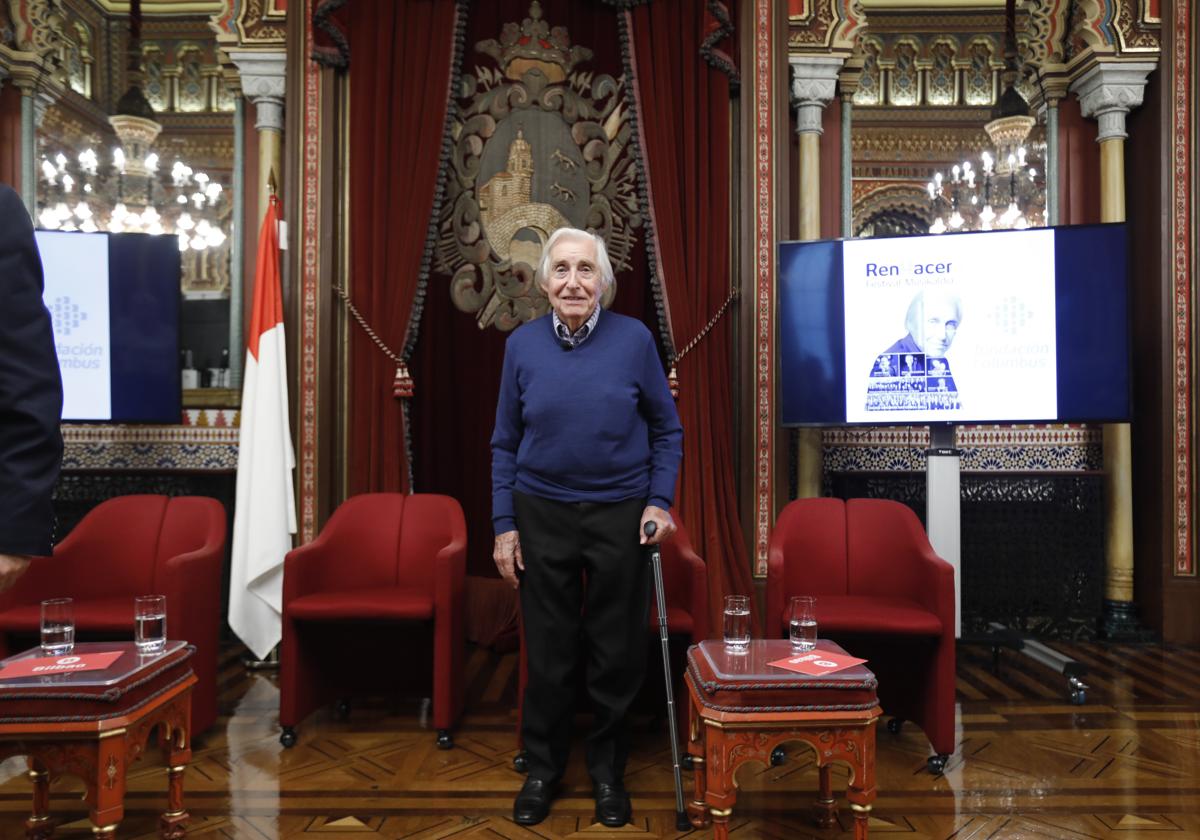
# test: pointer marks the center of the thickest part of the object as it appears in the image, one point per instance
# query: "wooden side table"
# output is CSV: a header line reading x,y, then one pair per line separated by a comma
x,y
94,724
742,709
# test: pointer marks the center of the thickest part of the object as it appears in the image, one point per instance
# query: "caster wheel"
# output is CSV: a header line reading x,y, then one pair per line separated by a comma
x,y
937,764
1079,697
342,709
444,741
778,757
288,737
521,762
894,724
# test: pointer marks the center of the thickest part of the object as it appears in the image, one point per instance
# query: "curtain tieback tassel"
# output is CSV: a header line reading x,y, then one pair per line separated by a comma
x,y
673,382
402,385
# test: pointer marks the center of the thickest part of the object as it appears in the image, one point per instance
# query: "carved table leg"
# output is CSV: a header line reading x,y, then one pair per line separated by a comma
x,y
697,809
107,789
38,826
825,811
720,793
720,822
172,825
861,792
862,817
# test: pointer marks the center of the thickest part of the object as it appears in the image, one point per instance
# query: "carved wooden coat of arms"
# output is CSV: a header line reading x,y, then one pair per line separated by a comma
x,y
539,144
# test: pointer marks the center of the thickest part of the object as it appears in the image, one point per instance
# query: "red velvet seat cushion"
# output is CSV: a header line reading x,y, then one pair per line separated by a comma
x,y
874,614
395,603
102,615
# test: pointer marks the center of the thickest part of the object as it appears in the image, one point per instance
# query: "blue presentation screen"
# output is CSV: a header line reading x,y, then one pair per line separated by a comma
x,y
1003,326
114,302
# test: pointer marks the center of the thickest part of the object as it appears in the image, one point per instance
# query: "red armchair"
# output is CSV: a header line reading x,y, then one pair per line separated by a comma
x,y
130,546
685,585
882,593
383,561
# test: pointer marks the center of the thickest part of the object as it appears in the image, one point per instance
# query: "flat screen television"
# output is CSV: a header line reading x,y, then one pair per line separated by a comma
x,y
987,327
114,302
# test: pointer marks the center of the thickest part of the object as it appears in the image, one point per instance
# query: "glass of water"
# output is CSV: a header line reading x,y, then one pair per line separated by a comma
x,y
802,622
58,626
737,622
150,623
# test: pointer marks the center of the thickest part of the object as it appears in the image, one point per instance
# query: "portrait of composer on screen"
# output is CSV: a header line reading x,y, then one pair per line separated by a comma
x,y
914,374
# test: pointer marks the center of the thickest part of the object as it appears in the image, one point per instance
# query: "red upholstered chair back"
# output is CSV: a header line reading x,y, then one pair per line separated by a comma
x,y
114,548
367,528
190,524
429,525
811,533
883,538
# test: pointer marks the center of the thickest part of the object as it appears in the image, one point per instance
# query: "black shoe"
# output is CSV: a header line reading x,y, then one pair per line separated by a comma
x,y
612,805
532,804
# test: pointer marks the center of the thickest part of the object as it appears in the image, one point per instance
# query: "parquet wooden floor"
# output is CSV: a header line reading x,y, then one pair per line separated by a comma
x,y
1028,765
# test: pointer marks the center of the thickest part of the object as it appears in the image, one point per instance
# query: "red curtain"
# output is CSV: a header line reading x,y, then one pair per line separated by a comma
x,y
684,116
401,61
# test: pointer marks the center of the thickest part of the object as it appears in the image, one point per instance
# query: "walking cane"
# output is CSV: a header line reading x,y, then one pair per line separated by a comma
x,y
681,821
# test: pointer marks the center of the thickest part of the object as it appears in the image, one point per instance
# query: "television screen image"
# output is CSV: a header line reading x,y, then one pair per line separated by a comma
x,y
114,304
1003,326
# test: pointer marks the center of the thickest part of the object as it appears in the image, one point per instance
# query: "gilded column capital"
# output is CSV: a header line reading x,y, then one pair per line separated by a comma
x,y
814,84
1109,91
264,81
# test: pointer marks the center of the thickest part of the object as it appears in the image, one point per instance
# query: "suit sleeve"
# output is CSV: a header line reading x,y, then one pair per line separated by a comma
x,y
30,390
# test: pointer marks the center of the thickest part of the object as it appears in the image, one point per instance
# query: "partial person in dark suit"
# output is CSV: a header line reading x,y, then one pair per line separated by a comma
x,y
30,398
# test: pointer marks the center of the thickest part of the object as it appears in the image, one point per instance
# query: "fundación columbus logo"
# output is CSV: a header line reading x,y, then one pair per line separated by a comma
x,y
68,317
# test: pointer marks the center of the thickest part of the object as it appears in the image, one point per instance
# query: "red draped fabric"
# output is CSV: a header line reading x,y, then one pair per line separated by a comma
x,y
401,63
684,115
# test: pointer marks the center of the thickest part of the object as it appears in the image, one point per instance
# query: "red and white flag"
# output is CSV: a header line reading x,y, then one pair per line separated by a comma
x,y
265,509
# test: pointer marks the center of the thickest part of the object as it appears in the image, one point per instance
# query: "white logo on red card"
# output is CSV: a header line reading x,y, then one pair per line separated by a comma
x,y
47,665
817,663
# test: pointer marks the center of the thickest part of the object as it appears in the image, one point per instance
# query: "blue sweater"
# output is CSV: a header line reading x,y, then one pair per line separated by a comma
x,y
593,424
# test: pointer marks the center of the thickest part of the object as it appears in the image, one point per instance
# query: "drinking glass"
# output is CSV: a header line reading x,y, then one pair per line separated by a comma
x,y
737,622
802,622
150,623
58,626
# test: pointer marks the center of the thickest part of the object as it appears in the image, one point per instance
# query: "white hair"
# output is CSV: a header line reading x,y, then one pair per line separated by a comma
x,y
602,261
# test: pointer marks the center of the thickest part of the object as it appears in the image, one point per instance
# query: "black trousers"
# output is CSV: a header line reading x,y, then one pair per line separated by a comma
x,y
585,596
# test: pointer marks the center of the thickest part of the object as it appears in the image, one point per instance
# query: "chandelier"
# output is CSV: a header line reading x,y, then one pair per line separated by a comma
x,y
1007,191
131,195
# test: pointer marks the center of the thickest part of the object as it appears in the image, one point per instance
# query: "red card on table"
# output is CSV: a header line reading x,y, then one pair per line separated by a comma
x,y
68,664
816,663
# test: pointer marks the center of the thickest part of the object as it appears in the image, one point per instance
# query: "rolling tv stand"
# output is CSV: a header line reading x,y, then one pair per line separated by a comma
x,y
943,524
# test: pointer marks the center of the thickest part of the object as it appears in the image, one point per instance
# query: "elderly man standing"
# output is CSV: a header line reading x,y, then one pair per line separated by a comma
x,y
585,451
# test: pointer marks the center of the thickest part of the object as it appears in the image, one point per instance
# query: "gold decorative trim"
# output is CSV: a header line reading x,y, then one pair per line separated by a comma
x,y
212,398
173,8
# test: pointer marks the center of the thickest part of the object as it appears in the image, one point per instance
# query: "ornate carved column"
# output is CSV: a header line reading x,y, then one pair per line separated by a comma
x,y
1108,92
1053,89
263,75
814,82
238,247
847,85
